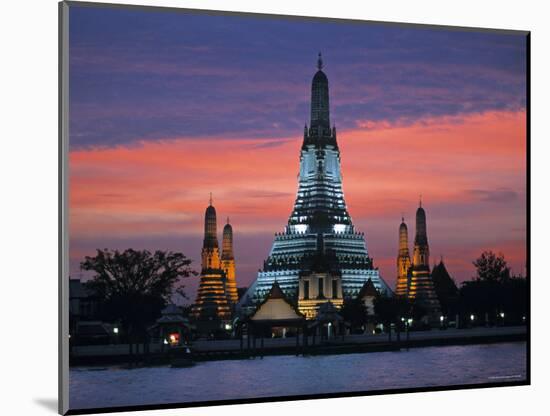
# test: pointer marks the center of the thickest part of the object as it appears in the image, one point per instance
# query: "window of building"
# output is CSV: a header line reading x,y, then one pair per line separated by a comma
x,y
306,289
334,289
321,291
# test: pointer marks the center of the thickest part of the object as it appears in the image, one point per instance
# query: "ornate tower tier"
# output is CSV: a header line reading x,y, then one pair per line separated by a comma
x,y
228,263
403,261
319,209
211,299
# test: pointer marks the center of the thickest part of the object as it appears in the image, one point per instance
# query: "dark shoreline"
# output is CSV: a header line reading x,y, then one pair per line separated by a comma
x,y
336,346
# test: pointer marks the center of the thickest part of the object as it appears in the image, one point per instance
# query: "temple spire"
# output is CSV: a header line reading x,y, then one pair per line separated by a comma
x,y
211,299
228,263
421,287
210,238
421,239
210,200
403,239
319,211
403,260
320,118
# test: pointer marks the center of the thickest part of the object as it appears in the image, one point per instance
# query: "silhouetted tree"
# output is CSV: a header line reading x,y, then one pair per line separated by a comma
x,y
493,291
390,310
133,286
490,267
416,311
354,312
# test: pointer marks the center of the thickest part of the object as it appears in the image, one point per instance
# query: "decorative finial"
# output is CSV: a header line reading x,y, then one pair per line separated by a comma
x,y
210,199
320,62
402,218
420,201
228,220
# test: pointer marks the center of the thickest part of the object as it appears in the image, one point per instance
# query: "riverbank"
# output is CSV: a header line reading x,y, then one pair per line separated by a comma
x,y
205,350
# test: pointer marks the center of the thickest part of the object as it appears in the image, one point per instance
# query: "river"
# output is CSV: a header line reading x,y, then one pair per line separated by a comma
x,y
290,375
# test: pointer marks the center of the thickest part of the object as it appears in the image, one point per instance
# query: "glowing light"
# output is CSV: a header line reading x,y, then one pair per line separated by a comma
x,y
300,228
115,330
472,317
441,318
228,327
339,228
502,314
174,338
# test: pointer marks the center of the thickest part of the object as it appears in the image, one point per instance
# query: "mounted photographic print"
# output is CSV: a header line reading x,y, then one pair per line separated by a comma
x,y
250,203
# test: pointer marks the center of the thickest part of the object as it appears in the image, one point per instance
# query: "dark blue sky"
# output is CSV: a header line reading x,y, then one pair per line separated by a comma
x,y
149,75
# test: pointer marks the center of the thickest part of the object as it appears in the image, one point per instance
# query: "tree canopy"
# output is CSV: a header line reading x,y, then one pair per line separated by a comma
x,y
490,267
134,285
355,312
494,291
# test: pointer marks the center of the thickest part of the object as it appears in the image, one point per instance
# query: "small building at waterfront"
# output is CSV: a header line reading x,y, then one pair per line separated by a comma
x,y
367,296
172,328
276,315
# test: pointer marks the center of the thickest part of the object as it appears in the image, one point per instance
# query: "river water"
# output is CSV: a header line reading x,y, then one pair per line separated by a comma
x,y
291,375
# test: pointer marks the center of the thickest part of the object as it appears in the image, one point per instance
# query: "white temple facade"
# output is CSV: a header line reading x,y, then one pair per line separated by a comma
x,y
319,236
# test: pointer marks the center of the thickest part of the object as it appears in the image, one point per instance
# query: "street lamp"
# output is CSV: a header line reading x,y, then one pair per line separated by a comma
x,y
115,330
407,326
472,317
502,315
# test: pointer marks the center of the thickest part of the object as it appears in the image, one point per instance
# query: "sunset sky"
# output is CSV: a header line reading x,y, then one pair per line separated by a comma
x,y
166,107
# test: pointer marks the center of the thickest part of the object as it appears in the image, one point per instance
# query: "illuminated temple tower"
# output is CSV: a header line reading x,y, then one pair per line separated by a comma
x,y
228,263
211,299
421,286
319,222
403,261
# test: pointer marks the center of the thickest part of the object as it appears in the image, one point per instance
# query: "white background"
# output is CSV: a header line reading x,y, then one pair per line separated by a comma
x,y
28,230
